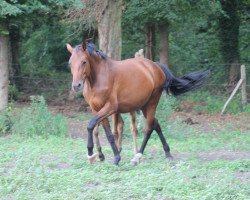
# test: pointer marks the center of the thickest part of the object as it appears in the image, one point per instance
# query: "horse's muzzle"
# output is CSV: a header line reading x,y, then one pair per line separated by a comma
x,y
77,87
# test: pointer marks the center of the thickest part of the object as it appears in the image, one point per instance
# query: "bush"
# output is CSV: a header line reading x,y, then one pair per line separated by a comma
x,y
37,120
5,121
166,107
13,92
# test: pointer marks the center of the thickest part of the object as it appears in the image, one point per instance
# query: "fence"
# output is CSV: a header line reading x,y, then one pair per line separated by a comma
x,y
53,88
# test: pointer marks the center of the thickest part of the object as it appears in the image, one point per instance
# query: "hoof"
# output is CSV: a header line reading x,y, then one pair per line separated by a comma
x,y
92,158
117,159
136,160
101,157
169,156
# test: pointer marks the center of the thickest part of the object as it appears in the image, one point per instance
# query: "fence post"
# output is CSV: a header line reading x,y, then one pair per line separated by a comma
x,y
231,96
244,85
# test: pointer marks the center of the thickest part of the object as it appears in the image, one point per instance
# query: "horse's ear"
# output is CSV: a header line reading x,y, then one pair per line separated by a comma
x,y
84,46
70,48
89,40
85,43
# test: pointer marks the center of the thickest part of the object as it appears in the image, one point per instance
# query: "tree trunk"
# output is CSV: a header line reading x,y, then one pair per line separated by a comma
x,y
229,24
14,47
4,62
164,44
109,28
149,41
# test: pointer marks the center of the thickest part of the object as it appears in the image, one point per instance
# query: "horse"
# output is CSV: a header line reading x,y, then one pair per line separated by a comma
x,y
118,125
112,87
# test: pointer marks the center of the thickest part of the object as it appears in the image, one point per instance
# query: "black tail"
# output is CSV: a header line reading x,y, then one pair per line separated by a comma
x,y
186,83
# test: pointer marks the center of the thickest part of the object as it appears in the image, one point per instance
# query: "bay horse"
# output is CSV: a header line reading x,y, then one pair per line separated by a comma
x,y
118,125
112,87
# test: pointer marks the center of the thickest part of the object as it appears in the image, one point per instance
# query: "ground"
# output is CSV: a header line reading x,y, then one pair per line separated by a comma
x,y
211,161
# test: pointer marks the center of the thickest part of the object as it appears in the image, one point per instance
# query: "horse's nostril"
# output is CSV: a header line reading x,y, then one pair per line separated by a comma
x,y
76,87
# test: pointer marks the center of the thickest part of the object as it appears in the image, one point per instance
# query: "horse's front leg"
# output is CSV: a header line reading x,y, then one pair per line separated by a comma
x,y
111,139
106,111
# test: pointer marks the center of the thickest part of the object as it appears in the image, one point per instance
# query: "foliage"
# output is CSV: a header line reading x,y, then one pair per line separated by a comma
x,y
13,92
35,22
166,107
163,11
193,41
229,24
43,59
37,120
5,120
14,8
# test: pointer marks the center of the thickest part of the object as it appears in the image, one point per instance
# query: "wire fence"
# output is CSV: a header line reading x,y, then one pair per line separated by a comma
x,y
56,86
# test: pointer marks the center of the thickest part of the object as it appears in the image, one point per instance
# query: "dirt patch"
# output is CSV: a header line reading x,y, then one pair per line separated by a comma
x,y
51,162
224,155
91,184
214,122
78,128
63,165
243,176
69,108
7,168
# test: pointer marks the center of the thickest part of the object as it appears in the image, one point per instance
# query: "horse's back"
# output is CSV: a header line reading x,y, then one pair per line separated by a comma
x,y
135,80
141,68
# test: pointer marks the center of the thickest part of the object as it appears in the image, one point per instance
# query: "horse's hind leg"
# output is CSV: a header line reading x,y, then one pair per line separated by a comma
x,y
120,131
151,124
163,140
148,113
98,145
118,125
134,130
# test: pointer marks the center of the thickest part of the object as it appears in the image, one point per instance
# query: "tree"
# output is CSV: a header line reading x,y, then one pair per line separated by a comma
x,y
4,63
11,12
164,43
165,14
105,17
229,23
109,28
150,41
6,10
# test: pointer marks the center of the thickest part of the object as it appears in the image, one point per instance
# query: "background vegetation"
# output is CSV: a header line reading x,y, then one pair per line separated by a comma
x,y
41,154
38,33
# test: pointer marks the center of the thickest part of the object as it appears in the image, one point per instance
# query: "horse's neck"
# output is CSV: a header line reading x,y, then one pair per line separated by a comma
x,y
100,73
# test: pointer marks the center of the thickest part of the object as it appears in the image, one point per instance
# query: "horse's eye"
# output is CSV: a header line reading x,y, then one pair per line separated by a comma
x,y
83,62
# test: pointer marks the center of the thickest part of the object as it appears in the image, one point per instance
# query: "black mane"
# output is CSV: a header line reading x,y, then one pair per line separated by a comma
x,y
91,48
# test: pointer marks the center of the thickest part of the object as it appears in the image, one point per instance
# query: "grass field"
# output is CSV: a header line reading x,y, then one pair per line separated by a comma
x,y
208,165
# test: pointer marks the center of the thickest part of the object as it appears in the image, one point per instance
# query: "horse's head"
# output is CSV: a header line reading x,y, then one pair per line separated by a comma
x,y
79,65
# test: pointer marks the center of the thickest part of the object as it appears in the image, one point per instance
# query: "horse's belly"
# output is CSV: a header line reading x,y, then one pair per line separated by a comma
x,y
133,101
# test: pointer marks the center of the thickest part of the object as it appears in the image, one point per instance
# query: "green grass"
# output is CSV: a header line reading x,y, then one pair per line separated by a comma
x,y
57,168
39,165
